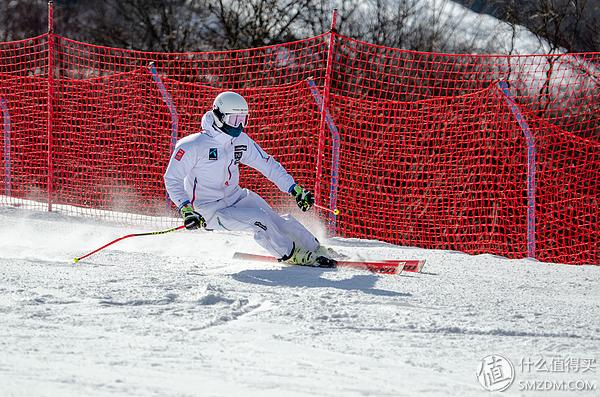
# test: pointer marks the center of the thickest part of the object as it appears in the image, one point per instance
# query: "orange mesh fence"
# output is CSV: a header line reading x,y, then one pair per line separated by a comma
x,y
478,153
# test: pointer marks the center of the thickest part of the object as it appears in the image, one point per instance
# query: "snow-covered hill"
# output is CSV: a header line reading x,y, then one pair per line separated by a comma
x,y
173,315
444,25
481,31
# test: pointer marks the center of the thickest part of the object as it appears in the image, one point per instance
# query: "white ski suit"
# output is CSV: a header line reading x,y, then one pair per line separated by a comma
x,y
203,171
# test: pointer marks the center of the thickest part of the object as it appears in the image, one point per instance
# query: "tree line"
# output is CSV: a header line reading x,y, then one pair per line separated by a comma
x,y
202,25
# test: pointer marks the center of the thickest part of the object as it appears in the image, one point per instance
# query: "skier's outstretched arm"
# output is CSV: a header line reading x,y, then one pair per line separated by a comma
x,y
258,159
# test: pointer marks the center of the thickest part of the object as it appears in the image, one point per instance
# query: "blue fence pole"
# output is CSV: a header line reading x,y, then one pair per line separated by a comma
x,y
174,116
7,160
531,166
335,153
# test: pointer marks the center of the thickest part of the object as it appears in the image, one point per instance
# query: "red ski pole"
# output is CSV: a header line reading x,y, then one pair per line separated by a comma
x,y
127,236
335,211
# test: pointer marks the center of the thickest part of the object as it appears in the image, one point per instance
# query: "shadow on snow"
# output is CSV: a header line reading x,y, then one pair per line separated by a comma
x,y
297,276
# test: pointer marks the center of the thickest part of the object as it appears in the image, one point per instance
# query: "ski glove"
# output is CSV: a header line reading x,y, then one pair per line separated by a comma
x,y
304,198
191,219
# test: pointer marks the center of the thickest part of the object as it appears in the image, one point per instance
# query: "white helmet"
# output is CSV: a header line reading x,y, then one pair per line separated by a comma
x,y
231,112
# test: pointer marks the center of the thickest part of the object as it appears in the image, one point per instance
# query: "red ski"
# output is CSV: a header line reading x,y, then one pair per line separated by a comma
x,y
381,267
414,266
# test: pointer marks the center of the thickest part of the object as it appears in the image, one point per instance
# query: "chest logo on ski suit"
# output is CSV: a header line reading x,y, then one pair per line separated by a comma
x,y
239,149
212,153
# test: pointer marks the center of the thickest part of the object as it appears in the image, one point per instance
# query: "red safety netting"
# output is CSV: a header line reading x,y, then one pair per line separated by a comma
x,y
27,57
415,148
256,67
568,195
24,152
441,173
117,135
112,146
563,89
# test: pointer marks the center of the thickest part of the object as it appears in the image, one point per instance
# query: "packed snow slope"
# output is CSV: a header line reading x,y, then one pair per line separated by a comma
x,y
174,315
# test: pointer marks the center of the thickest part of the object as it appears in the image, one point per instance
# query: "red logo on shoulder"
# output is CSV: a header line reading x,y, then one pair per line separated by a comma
x,y
179,154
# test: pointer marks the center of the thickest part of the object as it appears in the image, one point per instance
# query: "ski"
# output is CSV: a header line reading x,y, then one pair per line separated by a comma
x,y
412,265
381,267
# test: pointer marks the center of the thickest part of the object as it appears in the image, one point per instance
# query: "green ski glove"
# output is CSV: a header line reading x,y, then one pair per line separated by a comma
x,y
191,219
304,198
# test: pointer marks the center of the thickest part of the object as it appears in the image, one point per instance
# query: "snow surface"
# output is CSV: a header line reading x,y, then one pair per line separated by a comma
x,y
173,315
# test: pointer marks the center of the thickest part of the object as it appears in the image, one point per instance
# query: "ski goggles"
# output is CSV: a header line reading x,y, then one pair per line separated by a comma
x,y
235,119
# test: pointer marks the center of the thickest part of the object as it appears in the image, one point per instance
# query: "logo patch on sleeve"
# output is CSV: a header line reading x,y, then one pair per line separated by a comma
x,y
179,154
212,153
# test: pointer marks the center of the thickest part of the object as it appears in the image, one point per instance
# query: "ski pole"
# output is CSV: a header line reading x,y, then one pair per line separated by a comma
x,y
75,260
335,211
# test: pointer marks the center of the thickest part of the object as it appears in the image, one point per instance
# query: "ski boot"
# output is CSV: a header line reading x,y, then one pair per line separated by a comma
x,y
323,257
302,257
299,256
323,261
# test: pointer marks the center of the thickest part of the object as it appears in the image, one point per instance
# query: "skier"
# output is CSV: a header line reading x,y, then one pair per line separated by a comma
x,y
202,180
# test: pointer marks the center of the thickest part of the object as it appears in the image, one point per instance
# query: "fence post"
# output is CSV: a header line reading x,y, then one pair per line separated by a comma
x,y
174,117
335,155
50,99
325,105
7,160
531,167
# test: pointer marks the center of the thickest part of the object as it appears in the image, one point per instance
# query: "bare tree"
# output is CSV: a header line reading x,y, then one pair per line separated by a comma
x,y
22,19
155,25
569,24
253,23
187,25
